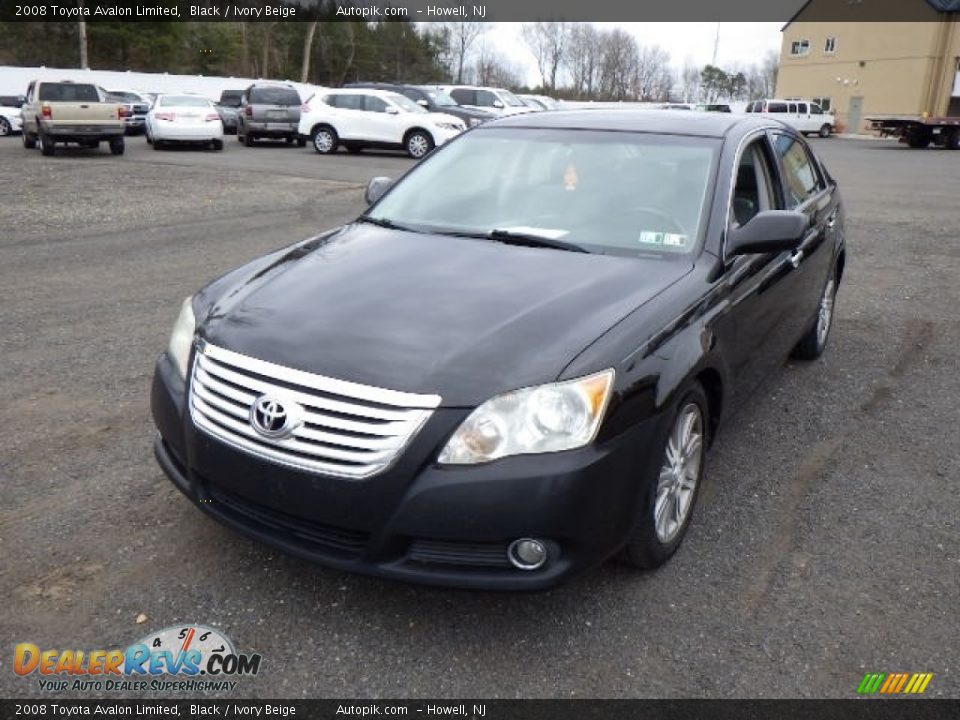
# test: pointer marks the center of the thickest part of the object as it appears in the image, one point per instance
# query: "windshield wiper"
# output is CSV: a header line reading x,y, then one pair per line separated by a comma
x,y
511,237
381,222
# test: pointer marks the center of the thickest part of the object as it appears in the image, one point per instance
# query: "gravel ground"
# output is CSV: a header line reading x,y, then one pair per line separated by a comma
x,y
826,545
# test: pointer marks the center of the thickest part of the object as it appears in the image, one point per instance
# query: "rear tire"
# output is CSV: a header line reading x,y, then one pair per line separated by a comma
x,y
5,128
217,145
825,130
43,142
324,139
29,141
814,341
301,141
918,142
117,146
669,498
248,140
953,142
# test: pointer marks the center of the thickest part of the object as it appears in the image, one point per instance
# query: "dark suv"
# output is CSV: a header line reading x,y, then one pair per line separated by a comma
x,y
269,110
433,100
229,109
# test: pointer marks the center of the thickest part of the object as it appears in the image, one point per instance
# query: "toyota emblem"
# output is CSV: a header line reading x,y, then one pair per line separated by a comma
x,y
273,417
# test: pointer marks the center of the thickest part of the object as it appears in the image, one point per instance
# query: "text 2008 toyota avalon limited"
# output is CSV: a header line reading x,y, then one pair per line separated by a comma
x,y
510,368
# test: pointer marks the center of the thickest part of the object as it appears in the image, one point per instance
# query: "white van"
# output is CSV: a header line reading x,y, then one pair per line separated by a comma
x,y
806,117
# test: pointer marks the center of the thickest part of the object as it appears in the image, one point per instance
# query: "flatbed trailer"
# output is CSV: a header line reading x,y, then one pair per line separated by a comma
x,y
920,132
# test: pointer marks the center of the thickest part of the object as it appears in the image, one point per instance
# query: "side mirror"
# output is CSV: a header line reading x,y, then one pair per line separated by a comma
x,y
376,188
423,103
768,231
391,110
498,104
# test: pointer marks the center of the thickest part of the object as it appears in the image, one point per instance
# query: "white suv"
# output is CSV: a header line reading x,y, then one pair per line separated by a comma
x,y
359,118
496,100
805,117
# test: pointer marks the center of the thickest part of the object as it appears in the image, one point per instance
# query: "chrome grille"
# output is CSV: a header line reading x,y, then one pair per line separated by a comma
x,y
342,428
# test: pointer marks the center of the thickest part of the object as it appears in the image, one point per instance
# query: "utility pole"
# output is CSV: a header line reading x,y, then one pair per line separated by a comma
x,y
716,45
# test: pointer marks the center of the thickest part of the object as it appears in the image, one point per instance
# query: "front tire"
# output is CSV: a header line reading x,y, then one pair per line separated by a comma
x,y
324,139
418,144
825,130
29,141
248,140
668,498
5,128
814,341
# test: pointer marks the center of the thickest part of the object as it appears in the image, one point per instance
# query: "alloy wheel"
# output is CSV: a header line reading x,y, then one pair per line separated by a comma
x,y
825,312
679,474
323,141
418,145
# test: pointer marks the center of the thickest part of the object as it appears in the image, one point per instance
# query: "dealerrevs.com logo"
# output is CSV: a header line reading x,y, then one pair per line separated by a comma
x,y
190,658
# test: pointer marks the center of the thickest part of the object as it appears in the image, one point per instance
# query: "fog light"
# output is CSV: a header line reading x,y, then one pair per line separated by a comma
x,y
527,554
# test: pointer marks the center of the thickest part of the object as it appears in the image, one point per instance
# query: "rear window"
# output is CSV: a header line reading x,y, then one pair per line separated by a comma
x,y
183,101
274,96
231,98
68,92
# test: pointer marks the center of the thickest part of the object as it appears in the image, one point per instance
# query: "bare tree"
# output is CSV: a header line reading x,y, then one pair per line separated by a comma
x,y
583,57
547,42
690,81
770,67
654,78
618,66
492,70
307,49
462,36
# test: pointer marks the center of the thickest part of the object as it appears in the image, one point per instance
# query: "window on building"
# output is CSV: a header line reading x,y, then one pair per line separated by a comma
x,y
830,46
800,47
823,102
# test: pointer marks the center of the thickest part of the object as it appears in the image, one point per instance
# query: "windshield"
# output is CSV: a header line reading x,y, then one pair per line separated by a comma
x,y
405,103
441,99
124,96
510,99
183,101
608,192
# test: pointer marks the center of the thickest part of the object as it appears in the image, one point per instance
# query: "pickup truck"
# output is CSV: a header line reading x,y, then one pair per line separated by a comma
x,y
69,112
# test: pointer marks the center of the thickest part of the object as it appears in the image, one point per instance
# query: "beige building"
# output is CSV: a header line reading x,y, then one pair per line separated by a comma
x,y
864,69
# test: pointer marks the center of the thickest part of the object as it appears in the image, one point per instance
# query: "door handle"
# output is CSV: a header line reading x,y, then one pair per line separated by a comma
x,y
831,221
795,258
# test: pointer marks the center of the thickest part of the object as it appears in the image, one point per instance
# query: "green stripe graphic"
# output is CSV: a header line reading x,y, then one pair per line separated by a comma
x,y
871,683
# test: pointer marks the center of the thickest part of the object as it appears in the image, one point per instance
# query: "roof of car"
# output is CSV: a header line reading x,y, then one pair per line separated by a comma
x,y
375,91
637,120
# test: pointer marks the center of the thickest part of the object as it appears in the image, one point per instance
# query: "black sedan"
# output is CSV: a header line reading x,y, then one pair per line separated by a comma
x,y
510,368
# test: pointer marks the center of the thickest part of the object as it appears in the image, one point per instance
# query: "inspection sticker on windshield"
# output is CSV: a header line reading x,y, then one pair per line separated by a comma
x,y
651,237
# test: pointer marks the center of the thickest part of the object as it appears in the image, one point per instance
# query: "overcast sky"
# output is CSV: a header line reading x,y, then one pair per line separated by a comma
x,y
740,43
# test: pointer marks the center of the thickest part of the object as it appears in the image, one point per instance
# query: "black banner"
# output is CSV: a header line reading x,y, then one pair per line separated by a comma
x,y
894,709
474,10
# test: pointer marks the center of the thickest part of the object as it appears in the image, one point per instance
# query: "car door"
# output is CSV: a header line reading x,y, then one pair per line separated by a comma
x,y
351,120
806,190
383,125
759,285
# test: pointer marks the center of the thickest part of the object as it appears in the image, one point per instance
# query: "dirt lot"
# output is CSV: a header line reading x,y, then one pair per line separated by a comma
x,y
826,545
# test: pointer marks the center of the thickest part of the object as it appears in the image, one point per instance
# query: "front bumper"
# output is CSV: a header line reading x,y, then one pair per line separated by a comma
x,y
417,521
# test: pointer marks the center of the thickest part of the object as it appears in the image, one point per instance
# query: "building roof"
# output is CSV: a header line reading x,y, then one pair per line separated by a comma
x,y
940,6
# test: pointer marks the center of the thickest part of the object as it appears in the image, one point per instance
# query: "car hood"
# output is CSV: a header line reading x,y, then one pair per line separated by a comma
x,y
463,318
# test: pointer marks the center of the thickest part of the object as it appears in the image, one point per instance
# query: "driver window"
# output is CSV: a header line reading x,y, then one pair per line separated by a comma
x,y
753,191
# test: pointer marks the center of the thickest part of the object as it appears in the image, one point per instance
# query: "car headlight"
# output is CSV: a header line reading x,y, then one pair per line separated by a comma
x,y
182,337
546,418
